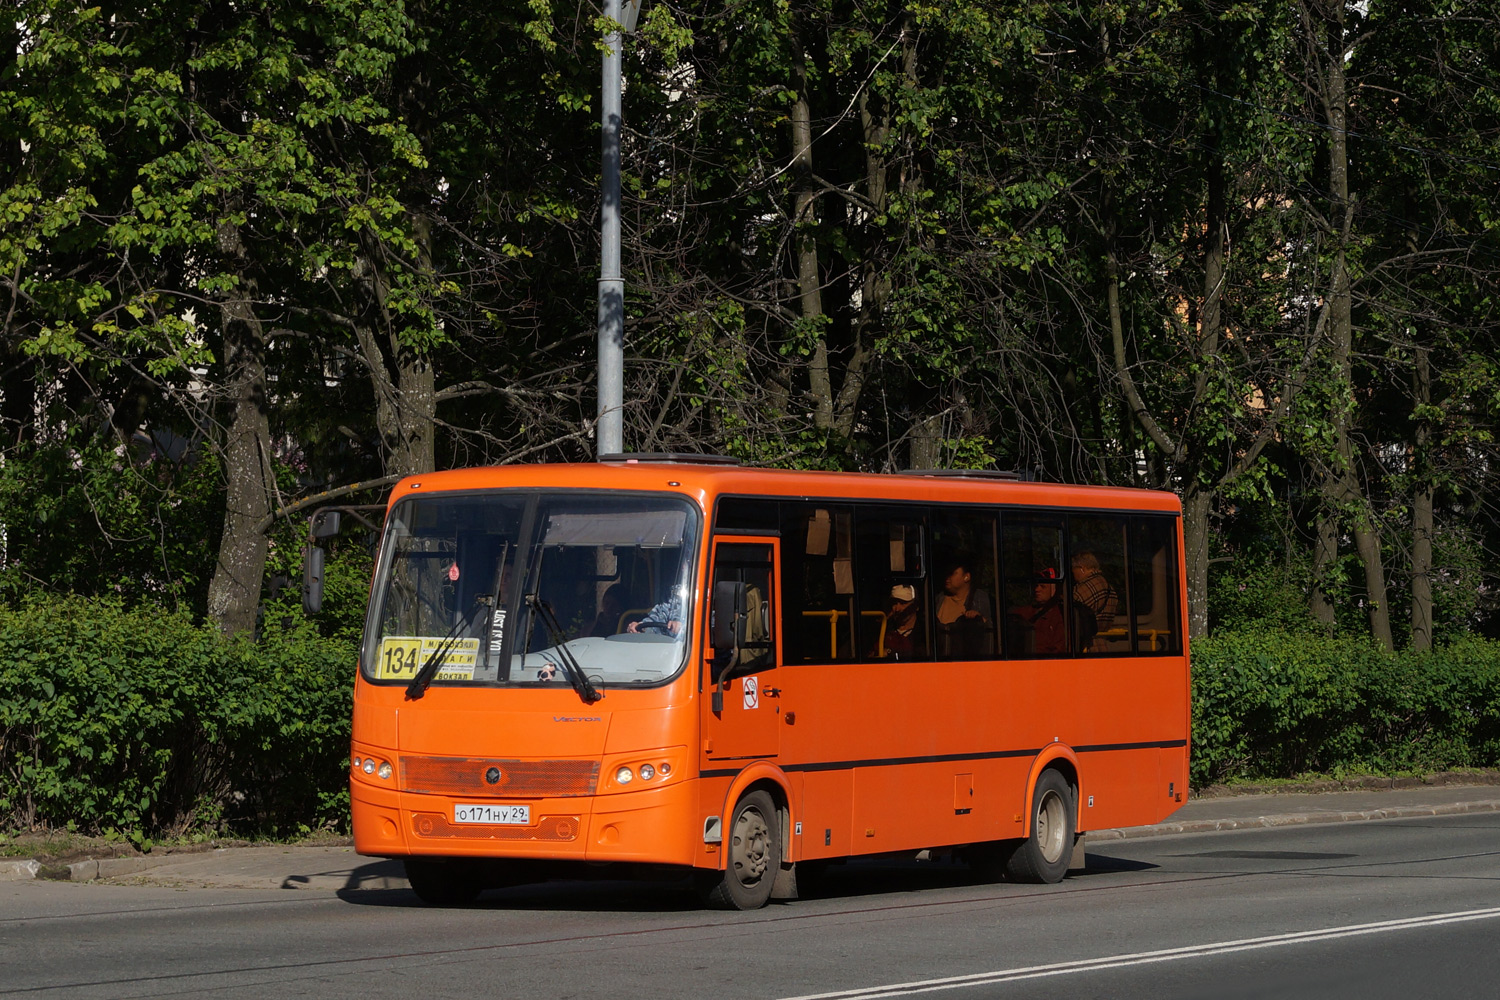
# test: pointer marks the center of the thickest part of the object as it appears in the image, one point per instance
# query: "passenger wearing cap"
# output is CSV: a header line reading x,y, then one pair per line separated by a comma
x,y
1041,621
901,622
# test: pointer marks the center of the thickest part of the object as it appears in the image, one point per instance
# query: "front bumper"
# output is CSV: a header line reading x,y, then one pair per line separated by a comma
x,y
652,826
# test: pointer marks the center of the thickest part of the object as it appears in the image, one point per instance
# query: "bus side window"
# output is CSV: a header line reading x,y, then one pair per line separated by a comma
x,y
817,585
1035,599
1096,574
891,584
1154,614
963,611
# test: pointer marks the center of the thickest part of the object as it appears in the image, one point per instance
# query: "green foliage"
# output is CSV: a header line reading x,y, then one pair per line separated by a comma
x,y
1251,593
143,722
89,517
1271,704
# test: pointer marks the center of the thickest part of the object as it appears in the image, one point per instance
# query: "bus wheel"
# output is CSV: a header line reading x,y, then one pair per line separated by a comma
x,y
443,883
1044,855
754,856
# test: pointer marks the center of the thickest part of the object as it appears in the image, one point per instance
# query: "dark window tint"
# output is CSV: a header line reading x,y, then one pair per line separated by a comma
x,y
740,613
891,590
1154,588
963,584
1035,599
1097,576
817,569
746,514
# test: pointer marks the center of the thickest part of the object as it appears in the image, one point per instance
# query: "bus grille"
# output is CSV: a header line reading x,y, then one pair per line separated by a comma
x,y
468,776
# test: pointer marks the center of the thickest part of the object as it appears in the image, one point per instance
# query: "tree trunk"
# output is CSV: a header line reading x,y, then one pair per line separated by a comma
x,y
1421,526
234,590
927,443
805,239
1325,553
1197,506
1341,484
403,379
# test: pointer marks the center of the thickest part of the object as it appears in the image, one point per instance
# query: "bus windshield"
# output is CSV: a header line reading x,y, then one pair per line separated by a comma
x,y
505,587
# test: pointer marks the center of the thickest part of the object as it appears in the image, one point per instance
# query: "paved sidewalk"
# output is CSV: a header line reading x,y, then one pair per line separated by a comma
x,y
333,869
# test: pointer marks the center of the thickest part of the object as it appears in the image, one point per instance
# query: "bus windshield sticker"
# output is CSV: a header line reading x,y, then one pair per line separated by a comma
x,y
402,656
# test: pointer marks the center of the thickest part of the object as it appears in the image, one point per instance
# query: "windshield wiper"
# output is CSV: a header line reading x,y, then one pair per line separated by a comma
x,y
418,686
576,676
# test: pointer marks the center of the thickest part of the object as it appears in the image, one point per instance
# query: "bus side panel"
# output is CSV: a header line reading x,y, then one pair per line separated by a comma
x,y
1128,707
712,789
912,806
828,804
1123,785
1174,771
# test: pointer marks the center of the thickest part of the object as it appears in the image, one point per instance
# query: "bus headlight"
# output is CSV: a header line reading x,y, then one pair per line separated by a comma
x,y
647,772
385,769
623,776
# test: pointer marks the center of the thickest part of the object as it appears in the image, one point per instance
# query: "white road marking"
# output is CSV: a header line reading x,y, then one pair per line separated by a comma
x,y
1148,957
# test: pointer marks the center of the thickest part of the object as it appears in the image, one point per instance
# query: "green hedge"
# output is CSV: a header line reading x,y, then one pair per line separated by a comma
x,y
1276,705
144,723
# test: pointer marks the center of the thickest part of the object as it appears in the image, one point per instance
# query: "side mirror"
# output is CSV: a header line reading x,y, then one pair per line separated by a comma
x,y
728,609
312,578
324,524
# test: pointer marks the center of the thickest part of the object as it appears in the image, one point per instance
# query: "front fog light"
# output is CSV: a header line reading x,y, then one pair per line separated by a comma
x,y
385,769
665,769
647,772
355,762
624,775
369,767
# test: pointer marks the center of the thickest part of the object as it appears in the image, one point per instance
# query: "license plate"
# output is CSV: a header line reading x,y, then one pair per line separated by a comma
x,y
505,815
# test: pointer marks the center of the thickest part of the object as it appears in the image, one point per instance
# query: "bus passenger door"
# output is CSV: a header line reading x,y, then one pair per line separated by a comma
x,y
742,702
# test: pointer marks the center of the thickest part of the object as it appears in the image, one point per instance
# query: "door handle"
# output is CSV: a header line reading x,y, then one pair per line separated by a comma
x,y
771,692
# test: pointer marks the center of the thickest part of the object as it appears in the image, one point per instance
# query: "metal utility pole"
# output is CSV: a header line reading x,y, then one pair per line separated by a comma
x,y
609,434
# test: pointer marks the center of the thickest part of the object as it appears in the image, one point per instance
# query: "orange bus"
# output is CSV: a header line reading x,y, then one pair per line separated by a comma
x,y
676,662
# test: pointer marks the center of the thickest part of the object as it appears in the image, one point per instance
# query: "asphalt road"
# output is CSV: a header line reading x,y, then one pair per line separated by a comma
x,y
1391,908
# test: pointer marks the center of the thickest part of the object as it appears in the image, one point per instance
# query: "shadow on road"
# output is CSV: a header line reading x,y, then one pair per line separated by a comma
x,y
667,894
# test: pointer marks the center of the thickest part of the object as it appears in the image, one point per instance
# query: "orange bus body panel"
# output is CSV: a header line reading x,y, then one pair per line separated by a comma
x,y
868,758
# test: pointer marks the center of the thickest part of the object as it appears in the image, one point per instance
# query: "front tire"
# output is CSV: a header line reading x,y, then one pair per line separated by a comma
x,y
443,883
1047,850
752,856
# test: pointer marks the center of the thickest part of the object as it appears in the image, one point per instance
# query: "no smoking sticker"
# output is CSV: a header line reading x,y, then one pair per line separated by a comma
x,y
752,693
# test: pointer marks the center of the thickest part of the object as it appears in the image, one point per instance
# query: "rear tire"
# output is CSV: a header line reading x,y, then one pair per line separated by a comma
x,y
1045,853
443,882
752,856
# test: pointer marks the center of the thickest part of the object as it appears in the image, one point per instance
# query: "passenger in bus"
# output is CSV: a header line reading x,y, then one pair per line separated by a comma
x,y
964,616
1038,627
665,618
1092,591
901,619
611,606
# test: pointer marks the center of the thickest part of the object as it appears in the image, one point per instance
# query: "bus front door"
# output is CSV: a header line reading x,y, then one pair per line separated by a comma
x,y
742,704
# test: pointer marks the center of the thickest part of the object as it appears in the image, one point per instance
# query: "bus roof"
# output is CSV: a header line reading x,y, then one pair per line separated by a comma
x,y
707,481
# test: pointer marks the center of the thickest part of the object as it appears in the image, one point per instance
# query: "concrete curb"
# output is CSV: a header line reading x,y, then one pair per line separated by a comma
x,y
15,871
87,871
1169,828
